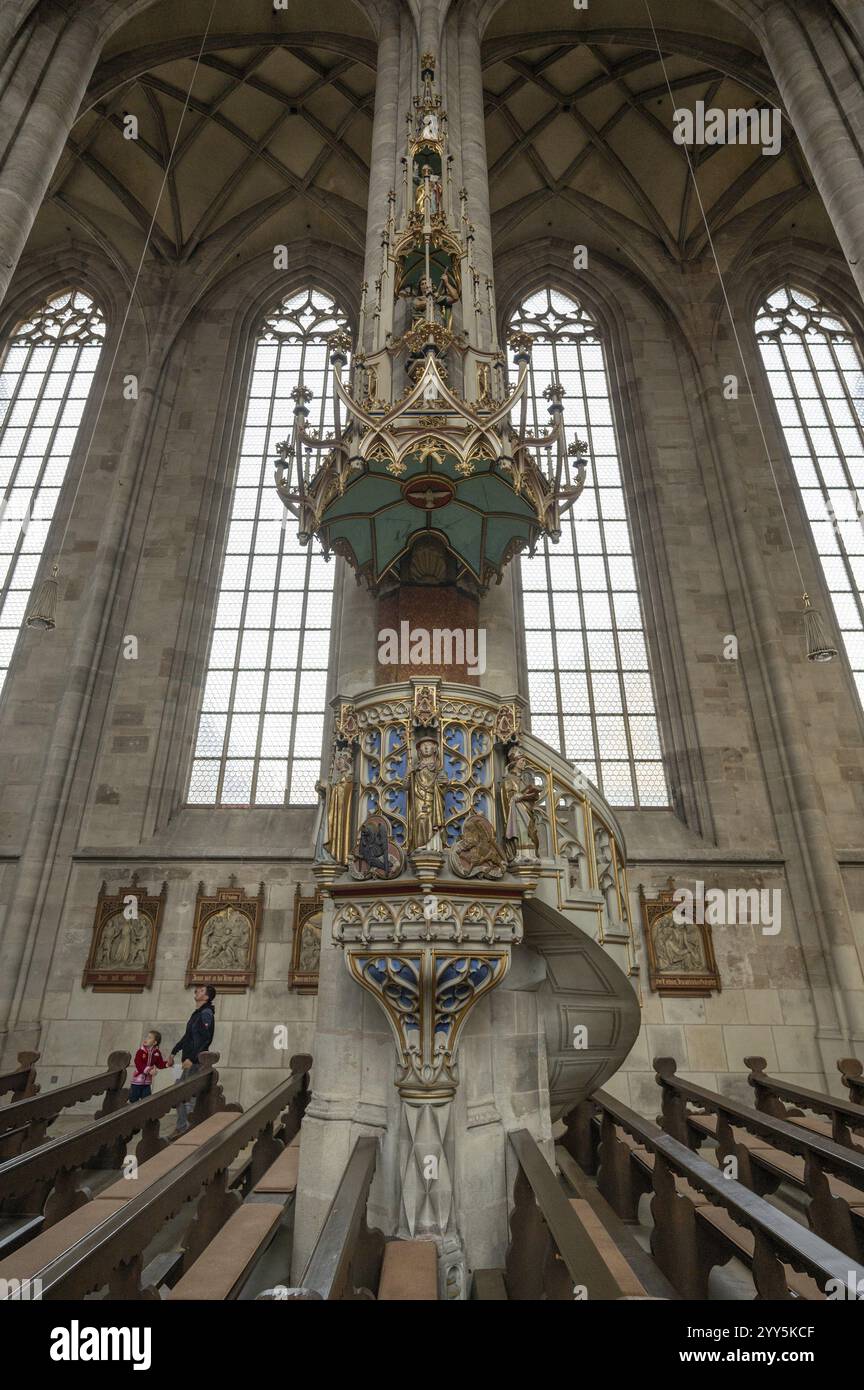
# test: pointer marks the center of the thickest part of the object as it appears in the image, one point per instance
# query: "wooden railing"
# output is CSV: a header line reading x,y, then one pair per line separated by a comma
x,y
844,1116
111,1255
24,1123
46,1179
21,1080
835,1210
346,1261
701,1218
551,1255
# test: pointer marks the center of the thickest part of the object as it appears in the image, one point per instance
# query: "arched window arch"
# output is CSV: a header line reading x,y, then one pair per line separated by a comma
x,y
816,376
589,682
261,726
46,374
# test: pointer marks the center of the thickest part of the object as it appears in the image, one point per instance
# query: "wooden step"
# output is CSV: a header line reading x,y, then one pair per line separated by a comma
x,y
409,1271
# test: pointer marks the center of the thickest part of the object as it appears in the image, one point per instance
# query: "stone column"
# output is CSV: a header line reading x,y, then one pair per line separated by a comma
x,y
813,874
19,1009
468,137
55,60
822,93
387,131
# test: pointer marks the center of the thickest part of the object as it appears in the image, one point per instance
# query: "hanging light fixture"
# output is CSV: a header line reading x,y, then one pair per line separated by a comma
x,y
43,613
819,646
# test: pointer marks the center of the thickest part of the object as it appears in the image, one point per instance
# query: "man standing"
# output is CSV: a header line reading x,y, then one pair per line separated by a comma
x,y
197,1039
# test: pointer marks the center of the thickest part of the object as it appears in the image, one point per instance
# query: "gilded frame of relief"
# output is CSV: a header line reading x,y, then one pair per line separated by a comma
x,y
122,954
681,958
306,943
225,938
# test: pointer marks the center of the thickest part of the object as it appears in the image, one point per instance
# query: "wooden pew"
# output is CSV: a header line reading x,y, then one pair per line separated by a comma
x,y
226,1264
852,1072
835,1119
769,1151
46,1180
24,1123
551,1251
102,1243
701,1218
20,1081
346,1261
409,1272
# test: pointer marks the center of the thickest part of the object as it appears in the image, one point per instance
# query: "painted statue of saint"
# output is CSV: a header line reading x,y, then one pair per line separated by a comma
x,y
519,797
339,792
425,798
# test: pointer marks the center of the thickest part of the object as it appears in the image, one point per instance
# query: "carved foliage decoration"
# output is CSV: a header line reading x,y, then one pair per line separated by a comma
x,y
306,943
680,954
225,938
123,947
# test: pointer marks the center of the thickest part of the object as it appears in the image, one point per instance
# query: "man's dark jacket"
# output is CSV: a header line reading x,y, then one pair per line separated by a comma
x,y
198,1035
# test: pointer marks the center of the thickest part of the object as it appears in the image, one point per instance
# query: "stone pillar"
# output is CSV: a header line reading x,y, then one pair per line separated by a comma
x,y
822,94
813,874
51,813
55,60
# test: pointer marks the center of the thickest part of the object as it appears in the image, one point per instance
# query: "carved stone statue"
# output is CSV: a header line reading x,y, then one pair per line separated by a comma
x,y
124,941
678,946
225,941
434,192
519,797
476,853
429,128
425,798
337,840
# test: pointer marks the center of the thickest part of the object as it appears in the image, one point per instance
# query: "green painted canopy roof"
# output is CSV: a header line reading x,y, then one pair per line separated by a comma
x,y
478,524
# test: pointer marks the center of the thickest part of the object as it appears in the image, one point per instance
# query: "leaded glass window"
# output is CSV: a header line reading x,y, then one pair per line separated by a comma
x,y
589,681
816,375
45,378
262,717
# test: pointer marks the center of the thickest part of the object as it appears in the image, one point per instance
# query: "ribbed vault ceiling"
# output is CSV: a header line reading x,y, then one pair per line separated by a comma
x,y
274,145
579,133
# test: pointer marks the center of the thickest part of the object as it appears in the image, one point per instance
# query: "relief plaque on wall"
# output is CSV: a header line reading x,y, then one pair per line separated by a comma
x,y
305,944
125,931
225,938
680,953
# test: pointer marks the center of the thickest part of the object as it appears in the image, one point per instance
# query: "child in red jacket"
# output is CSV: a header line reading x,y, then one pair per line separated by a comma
x,y
147,1059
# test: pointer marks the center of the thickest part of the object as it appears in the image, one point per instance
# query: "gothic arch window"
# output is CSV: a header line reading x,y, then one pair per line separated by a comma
x,y
46,374
261,726
816,376
589,682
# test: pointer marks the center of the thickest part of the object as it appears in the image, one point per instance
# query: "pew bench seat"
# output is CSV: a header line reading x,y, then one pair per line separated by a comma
x,y
224,1266
208,1129
409,1272
628,1283
281,1177
164,1162
51,1244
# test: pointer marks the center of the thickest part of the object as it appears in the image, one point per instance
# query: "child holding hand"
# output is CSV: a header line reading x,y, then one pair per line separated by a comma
x,y
148,1059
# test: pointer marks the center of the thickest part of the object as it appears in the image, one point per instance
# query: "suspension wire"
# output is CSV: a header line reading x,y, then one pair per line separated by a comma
x,y
140,267
732,322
